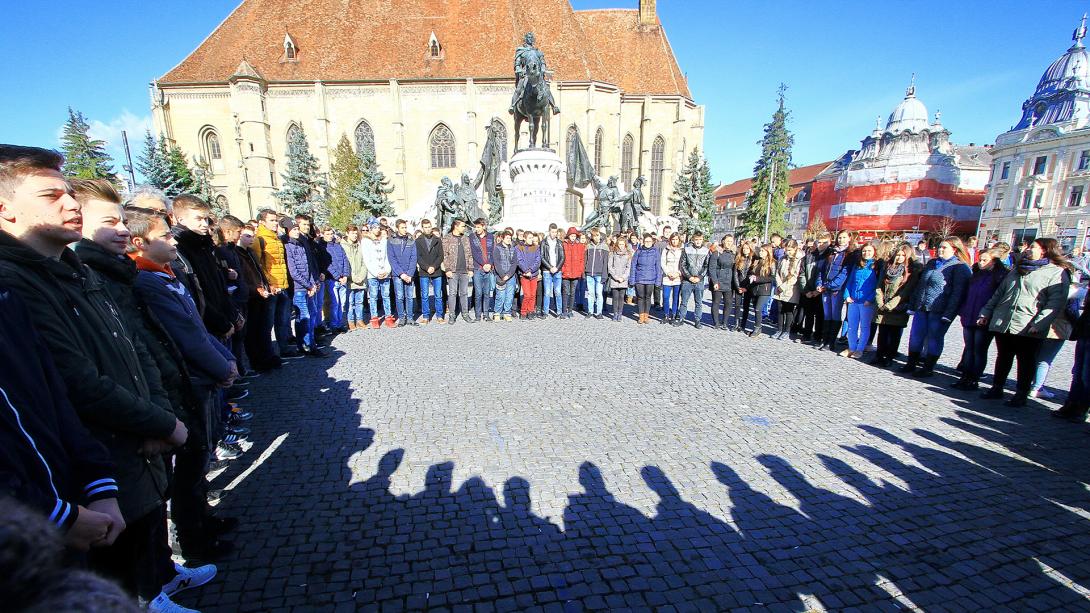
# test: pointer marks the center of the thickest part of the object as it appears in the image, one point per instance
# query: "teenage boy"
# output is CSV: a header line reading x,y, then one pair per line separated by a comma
x,y
376,258
238,288
429,265
484,278
258,329
336,269
660,244
596,257
401,250
505,259
304,276
457,258
209,366
191,215
268,247
107,372
572,270
357,278
694,276
552,261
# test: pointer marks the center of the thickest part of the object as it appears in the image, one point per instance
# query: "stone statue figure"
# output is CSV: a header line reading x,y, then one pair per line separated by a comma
x,y
446,205
632,205
532,98
607,205
489,172
469,209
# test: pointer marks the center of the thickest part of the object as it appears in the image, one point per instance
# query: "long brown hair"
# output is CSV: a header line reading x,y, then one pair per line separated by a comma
x,y
1053,252
742,257
766,260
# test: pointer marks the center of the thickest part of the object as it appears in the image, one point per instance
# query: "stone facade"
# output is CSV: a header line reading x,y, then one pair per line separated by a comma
x,y
422,127
1041,167
730,202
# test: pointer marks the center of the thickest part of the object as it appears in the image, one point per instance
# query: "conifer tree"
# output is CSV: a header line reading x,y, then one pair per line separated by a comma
x,y
84,157
152,164
303,191
372,192
180,170
775,155
693,198
344,175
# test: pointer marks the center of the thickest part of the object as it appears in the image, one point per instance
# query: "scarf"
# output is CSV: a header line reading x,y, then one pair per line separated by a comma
x,y
1026,265
143,263
894,272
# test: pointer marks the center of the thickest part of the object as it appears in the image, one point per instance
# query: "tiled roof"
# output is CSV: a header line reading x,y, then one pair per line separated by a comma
x,y
798,178
356,40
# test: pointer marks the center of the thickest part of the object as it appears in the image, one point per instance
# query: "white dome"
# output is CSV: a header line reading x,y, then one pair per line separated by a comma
x,y
910,115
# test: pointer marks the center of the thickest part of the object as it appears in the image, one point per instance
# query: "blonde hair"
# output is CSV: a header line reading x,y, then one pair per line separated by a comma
x,y
85,190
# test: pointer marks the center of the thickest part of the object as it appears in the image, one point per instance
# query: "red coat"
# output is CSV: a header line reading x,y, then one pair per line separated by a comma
x,y
575,255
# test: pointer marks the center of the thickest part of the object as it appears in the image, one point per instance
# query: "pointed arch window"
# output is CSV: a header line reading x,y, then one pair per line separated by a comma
x,y
442,147
293,131
572,202
365,139
435,50
211,144
626,161
599,136
291,51
658,150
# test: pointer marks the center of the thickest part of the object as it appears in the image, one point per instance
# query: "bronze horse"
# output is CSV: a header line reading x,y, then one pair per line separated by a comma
x,y
535,104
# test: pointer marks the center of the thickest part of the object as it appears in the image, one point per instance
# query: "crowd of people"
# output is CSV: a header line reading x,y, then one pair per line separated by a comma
x,y
131,329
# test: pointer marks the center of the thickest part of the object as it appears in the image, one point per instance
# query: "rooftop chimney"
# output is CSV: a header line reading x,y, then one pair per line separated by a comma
x,y
647,13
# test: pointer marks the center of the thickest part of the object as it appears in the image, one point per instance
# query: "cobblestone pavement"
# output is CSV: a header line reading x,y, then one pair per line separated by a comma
x,y
584,464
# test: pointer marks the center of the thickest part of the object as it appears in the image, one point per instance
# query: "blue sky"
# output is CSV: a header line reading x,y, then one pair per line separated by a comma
x,y
844,62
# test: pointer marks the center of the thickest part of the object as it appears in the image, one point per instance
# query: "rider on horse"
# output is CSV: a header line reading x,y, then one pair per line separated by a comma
x,y
523,57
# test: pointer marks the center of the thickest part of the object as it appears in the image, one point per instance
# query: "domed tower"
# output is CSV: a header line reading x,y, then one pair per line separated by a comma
x,y
1063,93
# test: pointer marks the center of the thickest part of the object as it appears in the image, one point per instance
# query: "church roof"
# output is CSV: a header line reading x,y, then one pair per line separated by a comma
x,y
797,179
356,40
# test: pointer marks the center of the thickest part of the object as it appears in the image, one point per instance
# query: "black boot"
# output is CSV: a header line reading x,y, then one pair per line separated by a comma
x,y
928,367
910,364
995,393
1018,400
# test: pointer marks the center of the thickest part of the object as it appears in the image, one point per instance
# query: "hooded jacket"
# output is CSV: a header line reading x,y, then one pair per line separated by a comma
x,y
670,262
618,269
48,460
269,249
575,260
376,257
301,265
893,295
335,260
357,275
110,378
1025,301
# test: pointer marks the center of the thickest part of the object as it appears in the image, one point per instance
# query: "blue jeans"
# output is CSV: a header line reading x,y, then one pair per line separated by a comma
x,y
696,290
374,286
355,305
581,293
436,286
304,323
405,294
671,295
860,316
974,359
594,295
553,284
928,334
280,315
484,283
505,297
832,302
1050,348
337,297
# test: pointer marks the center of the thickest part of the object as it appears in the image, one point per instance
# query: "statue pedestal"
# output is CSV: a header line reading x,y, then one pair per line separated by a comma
x,y
539,181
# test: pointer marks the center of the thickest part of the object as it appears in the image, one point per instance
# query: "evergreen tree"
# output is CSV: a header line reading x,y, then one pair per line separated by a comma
x,y
202,186
184,180
84,157
775,155
153,165
344,175
303,191
693,198
372,191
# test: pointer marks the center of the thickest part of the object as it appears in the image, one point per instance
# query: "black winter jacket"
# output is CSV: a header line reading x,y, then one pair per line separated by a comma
x,y
111,379
428,257
48,460
721,271
218,311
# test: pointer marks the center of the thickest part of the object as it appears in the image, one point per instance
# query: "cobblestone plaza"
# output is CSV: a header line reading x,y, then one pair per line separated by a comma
x,y
584,464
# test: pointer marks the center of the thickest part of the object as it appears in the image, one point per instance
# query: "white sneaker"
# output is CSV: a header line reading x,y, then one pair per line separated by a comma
x,y
1043,394
189,577
163,604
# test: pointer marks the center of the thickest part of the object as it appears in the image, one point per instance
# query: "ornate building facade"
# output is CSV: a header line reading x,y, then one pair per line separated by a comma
x,y
416,82
1041,166
906,178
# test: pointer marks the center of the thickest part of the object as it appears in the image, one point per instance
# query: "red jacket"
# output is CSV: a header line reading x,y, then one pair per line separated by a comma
x,y
575,255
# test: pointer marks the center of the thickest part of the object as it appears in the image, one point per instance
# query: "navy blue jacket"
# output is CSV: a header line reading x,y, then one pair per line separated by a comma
x,y
646,267
48,460
833,270
505,262
302,268
942,287
403,256
335,260
480,258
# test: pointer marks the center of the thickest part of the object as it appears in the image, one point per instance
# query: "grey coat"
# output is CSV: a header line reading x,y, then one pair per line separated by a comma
x,y
618,269
1028,301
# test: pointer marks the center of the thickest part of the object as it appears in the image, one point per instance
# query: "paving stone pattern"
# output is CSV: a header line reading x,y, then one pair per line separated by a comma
x,y
585,464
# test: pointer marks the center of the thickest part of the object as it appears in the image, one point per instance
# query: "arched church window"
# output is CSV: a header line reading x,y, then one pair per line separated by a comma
x,y
658,149
626,161
365,139
442,147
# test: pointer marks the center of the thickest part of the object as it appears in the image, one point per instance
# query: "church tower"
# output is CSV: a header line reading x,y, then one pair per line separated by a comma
x,y
647,13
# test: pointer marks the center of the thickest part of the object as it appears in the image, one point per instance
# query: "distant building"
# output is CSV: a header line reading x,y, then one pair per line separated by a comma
x,y
415,83
1041,166
730,202
907,178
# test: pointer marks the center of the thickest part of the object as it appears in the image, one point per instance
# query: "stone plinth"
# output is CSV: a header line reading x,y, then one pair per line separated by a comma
x,y
538,184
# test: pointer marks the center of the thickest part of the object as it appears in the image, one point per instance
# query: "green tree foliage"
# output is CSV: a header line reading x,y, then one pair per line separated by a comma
x,y
304,189
775,155
358,189
166,167
693,199
373,191
84,157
